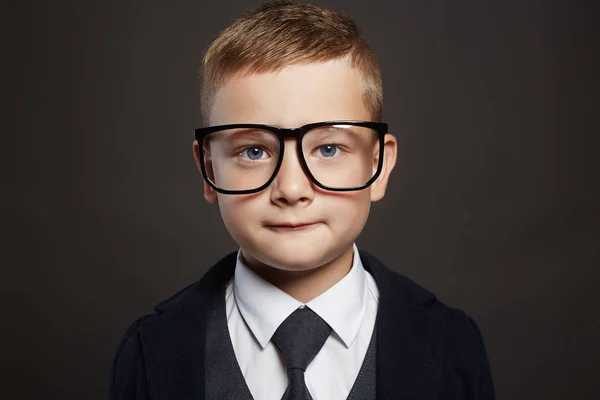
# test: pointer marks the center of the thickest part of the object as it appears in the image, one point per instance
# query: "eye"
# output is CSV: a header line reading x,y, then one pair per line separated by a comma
x,y
253,153
328,150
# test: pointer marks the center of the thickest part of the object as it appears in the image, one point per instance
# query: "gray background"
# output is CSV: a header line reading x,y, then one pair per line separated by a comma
x,y
493,204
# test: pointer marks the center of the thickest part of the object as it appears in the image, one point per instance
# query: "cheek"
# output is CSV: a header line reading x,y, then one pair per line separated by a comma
x,y
349,212
237,213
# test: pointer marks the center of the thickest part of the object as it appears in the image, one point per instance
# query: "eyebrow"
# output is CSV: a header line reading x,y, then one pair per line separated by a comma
x,y
333,129
240,133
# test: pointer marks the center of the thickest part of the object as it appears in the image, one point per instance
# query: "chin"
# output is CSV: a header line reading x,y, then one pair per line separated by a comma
x,y
295,256
297,260
296,264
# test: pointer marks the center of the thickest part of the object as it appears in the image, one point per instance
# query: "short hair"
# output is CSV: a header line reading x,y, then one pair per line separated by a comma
x,y
283,33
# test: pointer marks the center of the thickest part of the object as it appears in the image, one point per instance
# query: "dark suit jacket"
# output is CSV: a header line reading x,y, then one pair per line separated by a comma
x,y
425,349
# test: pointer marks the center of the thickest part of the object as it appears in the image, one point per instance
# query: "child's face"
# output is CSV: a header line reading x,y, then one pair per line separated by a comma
x,y
292,97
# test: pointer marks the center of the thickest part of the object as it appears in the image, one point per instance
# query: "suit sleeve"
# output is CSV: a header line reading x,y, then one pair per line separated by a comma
x,y
128,375
467,374
485,382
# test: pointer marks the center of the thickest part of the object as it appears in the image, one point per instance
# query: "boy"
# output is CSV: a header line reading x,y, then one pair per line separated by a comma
x,y
293,152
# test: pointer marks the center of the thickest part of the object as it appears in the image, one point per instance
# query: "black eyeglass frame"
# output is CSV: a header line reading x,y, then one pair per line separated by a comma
x,y
289,133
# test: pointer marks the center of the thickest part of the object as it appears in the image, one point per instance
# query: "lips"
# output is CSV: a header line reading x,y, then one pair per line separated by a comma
x,y
292,225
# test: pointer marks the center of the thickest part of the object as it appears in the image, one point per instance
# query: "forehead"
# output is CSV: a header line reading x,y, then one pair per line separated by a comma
x,y
293,96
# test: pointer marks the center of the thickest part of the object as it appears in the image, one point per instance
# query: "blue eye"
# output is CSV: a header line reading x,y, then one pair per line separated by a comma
x,y
328,150
253,153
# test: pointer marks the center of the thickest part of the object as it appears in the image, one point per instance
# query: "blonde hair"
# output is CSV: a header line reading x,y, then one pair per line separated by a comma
x,y
282,33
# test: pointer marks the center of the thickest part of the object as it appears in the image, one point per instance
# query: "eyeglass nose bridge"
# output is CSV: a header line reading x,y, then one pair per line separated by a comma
x,y
292,133
296,134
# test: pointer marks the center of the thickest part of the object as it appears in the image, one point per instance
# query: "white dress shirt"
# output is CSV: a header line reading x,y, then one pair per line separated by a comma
x,y
256,308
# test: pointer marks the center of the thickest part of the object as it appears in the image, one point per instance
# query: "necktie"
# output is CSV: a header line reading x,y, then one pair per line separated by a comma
x,y
299,338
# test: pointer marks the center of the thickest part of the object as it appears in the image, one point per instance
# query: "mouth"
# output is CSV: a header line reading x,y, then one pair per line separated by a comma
x,y
292,226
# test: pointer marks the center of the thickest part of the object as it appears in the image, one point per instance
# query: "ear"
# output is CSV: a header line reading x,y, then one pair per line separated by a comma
x,y
209,193
390,149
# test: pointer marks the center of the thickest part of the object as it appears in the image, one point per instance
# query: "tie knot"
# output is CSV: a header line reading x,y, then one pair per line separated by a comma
x,y
300,337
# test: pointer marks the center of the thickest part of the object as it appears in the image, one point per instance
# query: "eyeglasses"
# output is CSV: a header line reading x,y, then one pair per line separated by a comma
x,y
335,155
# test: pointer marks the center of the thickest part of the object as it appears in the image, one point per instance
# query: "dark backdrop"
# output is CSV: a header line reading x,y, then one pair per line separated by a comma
x,y
493,204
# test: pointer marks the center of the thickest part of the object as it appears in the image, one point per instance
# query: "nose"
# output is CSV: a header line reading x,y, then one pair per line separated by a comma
x,y
291,185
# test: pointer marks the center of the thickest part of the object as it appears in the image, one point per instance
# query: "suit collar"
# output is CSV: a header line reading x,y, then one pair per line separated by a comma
x,y
408,363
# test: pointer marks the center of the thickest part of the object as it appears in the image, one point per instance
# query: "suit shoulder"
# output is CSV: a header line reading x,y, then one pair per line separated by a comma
x,y
456,321
171,317
176,305
466,363
128,370
466,360
127,377
416,296
220,272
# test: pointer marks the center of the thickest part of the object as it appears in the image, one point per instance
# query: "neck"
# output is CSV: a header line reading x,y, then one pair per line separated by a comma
x,y
304,285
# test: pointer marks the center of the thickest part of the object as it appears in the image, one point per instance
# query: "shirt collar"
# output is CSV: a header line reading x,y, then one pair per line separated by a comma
x,y
264,306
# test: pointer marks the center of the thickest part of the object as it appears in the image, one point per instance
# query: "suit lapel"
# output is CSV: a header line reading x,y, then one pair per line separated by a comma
x,y
408,365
